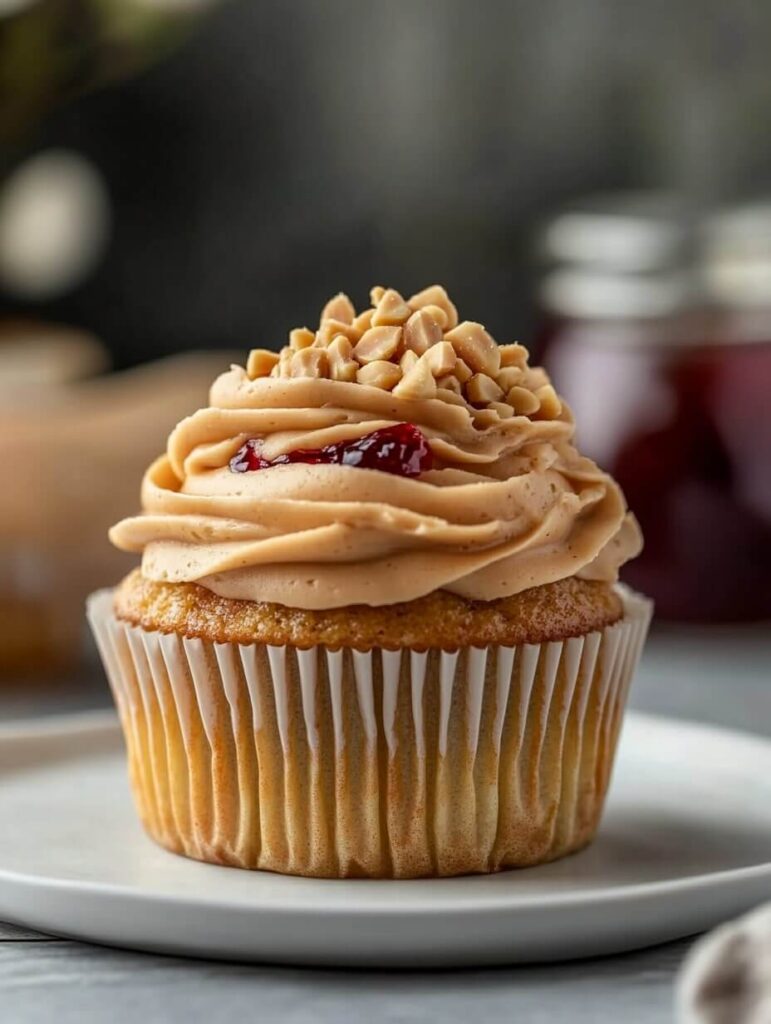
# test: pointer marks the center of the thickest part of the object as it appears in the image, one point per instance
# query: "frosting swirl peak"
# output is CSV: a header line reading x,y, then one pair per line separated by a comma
x,y
509,503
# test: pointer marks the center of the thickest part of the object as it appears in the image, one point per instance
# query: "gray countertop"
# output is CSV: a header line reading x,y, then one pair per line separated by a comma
x,y
720,675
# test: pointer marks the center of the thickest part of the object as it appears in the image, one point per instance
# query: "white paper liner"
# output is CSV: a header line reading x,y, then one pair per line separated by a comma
x,y
377,763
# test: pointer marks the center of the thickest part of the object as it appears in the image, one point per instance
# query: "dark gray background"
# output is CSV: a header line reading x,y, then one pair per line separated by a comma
x,y
293,148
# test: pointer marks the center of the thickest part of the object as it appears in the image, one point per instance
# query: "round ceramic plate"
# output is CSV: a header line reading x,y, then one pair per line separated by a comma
x,y
685,843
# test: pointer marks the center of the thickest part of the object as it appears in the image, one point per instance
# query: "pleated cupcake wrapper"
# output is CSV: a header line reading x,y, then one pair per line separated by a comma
x,y
376,763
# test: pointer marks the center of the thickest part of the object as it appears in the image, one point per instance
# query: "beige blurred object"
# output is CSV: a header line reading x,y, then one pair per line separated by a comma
x,y
726,978
35,355
63,435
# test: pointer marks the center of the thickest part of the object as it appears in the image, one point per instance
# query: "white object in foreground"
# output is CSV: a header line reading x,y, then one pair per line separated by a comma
x,y
685,845
727,975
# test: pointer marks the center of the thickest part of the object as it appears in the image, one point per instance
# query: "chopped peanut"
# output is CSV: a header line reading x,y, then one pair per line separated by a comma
x,y
482,389
342,365
408,360
440,358
450,396
362,322
331,328
377,343
551,406
435,296
344,370
462,371
508,376
340,308
475,346
376,294
380,374
416,383
503,409
340,348
513,355
522,401
484,418
301,337
421,332
536,377
449,383
391,310
309,362
436,313
282,367
260,363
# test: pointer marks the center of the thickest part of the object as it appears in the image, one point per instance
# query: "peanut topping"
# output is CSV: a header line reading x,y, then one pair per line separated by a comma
x,y
391,310
482,389
522,401
340,308
417,350
462,371
508,376
417,383
438,314
309,362
340,349
484,418
551,406
342,365
449,383
503,409
440,358
362,322
535,377
435,296
345,370
380,374
330,329
378,343
513,355
408,360
422,330
448,395
281,369
300,338
475,346
260,363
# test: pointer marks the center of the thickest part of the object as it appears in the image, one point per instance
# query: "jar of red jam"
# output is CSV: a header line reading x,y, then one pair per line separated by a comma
x,y
669,377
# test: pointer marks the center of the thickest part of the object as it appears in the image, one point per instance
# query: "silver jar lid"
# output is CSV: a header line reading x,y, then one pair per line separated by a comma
x,y
736,257
623,233
596,294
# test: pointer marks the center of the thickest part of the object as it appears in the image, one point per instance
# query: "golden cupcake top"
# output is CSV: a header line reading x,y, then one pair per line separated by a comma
x,y
383,456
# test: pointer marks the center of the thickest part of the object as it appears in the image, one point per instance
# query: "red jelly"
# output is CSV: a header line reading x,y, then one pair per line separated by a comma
x,y
401,450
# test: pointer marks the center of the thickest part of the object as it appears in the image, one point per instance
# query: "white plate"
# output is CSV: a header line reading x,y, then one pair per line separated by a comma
x,y
685,843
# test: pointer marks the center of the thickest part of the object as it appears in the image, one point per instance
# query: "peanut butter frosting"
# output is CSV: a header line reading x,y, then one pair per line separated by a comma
x,y
508,504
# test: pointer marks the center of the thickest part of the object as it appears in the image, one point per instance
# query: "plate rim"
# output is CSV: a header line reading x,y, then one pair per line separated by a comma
x,y
60,725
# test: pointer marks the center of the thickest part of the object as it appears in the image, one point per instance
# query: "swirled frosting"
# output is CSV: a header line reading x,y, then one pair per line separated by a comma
x,y
509,503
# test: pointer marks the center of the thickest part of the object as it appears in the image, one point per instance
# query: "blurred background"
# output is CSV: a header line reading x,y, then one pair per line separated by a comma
x,y
181,180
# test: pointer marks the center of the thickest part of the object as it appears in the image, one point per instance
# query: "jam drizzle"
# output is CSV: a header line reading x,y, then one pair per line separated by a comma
x,y
401,450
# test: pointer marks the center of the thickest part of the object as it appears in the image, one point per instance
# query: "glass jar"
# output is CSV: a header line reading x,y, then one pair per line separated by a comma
x,y
670,383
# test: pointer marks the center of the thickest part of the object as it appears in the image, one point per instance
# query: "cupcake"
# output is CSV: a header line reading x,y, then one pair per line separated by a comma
x,y
376,631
